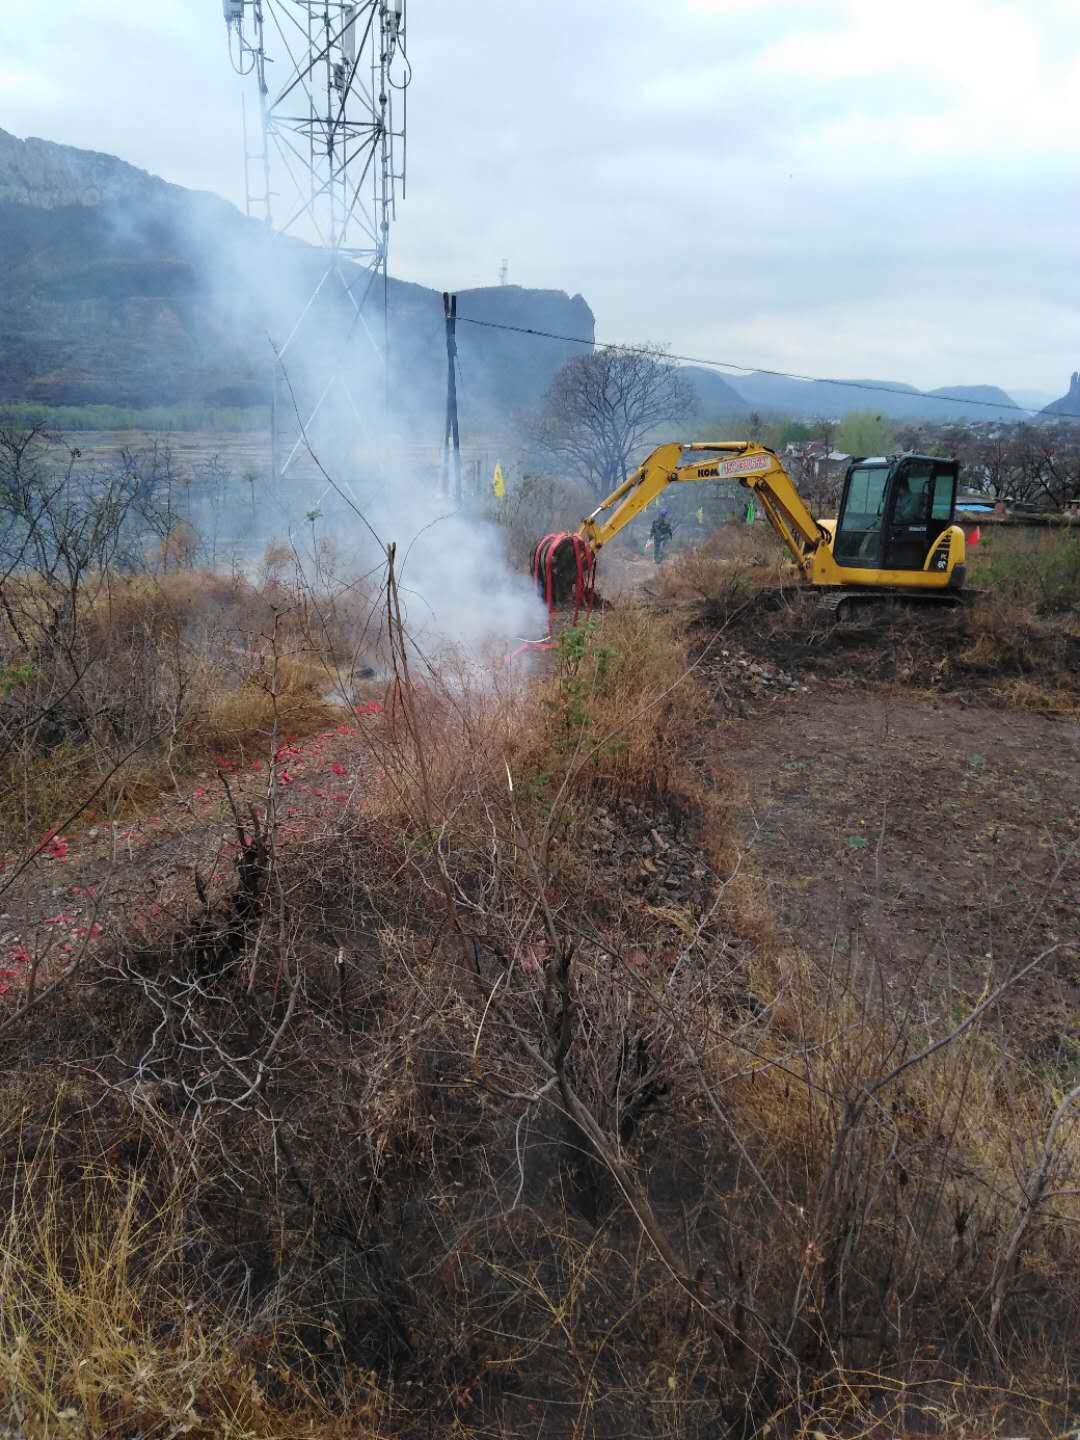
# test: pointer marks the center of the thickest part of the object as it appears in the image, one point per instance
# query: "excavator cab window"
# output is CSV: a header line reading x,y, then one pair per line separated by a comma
x,y
913,492
943,508
862,516
892,512
924,496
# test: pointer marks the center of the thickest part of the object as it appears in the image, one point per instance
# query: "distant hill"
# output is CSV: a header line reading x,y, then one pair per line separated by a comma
x,y
122,289
987,397
776,394
716,397
1069,404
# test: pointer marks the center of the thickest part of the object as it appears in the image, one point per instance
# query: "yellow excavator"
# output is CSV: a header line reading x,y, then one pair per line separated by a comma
x,y
894,535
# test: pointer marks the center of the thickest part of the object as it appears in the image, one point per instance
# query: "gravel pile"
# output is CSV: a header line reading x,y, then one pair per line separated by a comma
x,y
652,853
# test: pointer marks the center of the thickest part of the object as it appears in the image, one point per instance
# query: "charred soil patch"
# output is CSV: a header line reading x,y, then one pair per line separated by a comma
x,y
998,653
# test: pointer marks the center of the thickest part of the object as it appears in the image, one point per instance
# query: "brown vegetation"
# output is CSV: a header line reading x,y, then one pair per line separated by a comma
x,y
501,1107
139,679
1018,642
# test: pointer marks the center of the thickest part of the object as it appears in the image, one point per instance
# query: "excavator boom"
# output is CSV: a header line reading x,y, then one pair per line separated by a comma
x,y
752,465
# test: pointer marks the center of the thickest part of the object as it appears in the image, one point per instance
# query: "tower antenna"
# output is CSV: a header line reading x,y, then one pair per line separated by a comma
x,y
331,78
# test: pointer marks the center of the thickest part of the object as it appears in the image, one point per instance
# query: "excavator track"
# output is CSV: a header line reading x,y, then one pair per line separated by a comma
x,y
844,604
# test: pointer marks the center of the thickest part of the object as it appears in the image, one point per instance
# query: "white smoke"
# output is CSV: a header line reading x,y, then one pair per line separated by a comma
x,y
355,479
456,583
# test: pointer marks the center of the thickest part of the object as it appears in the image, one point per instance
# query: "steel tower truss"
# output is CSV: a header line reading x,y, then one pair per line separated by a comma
x,y
330,156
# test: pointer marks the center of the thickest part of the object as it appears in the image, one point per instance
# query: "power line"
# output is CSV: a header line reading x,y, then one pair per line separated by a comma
x,y
761,370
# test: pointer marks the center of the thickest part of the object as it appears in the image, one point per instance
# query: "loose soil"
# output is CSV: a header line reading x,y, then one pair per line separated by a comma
x,y
901,809
935,839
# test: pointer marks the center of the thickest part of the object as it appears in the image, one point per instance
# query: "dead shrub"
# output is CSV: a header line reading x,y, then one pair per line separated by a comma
x,y
434,1104
136,678
730,565
110,1321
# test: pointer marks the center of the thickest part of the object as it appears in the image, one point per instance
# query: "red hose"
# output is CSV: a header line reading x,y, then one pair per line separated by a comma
x,y
584,563
584,586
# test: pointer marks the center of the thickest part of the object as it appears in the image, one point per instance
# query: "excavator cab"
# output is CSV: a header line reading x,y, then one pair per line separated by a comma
x,y
893,510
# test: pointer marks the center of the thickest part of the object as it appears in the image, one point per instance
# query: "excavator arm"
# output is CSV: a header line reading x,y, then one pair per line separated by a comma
x,y
752,465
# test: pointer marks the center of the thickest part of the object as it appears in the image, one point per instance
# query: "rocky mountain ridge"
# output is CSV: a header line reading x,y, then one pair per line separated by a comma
x,y
1069,404
48,176
121,288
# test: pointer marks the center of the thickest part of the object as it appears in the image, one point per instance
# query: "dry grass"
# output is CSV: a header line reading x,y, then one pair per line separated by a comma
x,y
103,1331
1028,695
727,568
150,677
530,1153
623,702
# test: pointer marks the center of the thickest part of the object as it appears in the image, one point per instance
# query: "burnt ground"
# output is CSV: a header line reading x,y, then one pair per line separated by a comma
x,y
934,832
896,806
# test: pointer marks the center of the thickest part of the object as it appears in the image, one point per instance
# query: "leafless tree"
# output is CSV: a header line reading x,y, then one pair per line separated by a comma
x,y
1056,459
1030,465
825,429
600,407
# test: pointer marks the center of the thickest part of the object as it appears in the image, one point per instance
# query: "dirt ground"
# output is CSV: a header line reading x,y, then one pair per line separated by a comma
x,y
899,812
940,839
931,833
105,880
625,573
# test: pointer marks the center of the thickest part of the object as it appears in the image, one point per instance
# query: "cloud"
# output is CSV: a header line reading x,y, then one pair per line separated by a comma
x,y
27,86
844,186
946,82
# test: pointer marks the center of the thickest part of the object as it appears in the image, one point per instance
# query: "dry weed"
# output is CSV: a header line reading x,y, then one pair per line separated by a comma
x,y
435,1104
141,678
103,1331
726,569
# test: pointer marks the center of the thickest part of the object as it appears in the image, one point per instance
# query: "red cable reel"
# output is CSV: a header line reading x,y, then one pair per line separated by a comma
x,y
565,564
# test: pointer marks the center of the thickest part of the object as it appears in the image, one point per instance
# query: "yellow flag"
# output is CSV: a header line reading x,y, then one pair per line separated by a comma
x,y
498,485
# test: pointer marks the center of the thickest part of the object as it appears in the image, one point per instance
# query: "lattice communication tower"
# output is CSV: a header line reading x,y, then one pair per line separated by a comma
x,y
326,166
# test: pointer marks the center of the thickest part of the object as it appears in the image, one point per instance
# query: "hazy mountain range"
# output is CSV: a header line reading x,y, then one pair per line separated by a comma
x,y
1069,404
779,395
120,288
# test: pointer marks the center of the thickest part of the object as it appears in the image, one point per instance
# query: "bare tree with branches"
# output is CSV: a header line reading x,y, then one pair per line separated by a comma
x,y
600,407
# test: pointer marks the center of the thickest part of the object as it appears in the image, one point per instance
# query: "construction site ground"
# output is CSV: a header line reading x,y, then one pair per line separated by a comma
x,y
930,833
923,828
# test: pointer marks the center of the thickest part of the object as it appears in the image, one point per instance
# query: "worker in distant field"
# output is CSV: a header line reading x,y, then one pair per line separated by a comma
x,y
660,533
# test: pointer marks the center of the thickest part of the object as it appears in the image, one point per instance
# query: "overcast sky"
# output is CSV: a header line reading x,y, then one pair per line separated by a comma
x,y
879,188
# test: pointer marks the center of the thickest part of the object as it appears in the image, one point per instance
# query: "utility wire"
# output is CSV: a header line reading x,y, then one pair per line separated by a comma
x,y
761,370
